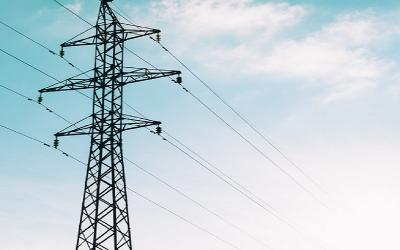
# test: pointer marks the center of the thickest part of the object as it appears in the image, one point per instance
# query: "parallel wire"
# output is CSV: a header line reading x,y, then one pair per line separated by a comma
x,y
244,138
257,202
255,198
38,70
72,12
250,124
221,176
43,143
237,189
204,207
28,64
240,191
186,196
32,100
246,195
37,43
266,157
246,121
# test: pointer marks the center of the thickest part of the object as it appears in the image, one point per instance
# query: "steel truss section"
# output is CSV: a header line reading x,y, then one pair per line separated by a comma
x,y
104,221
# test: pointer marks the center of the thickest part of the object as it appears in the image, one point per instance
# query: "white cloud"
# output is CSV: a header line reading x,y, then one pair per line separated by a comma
x,y
339,57
242,36
231,19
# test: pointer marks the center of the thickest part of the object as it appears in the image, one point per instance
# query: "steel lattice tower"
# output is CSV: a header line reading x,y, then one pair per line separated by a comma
x,y
104,221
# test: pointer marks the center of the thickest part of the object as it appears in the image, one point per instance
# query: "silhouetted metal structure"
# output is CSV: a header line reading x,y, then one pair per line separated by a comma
x,y
104,221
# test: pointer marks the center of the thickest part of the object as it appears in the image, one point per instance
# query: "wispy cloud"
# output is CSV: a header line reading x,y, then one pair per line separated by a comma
x,y
247,37
232,19
338,56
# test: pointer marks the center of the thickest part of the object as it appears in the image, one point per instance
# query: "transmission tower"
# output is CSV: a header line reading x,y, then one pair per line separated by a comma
x,y
104,220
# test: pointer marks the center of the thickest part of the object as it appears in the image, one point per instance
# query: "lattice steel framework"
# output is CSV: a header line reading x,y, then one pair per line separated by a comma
x,y
104,222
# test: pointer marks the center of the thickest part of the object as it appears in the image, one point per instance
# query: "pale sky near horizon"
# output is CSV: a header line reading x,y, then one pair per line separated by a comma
x,y
319,78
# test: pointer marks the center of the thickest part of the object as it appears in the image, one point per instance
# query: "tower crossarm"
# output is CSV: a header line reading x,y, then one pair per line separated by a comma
x,y
132,75
131,31
133,122
129,75
124,31
77,82
127,122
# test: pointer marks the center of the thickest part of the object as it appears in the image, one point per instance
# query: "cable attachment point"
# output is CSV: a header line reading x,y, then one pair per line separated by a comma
x,y
158,37
62,52
56,143
178,80
40,99
158,130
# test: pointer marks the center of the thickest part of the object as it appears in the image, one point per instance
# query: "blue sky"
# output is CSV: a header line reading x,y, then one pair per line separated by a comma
x,y
317,77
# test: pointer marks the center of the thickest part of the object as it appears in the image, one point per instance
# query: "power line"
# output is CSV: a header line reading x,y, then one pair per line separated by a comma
x,y
203,206
75,14
251,144
43,143
256,199
235,111
72,12
31,100
250,195
257,202
274,163
28,64
207,162
243,118
37,69
40,71
237,189
186,196
184,219
268,208
38,43
286,173
130,189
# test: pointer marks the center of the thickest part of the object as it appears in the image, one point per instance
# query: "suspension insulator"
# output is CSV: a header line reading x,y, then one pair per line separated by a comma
x,y
158,130
179,80
158,37
62,52
56,143
40,99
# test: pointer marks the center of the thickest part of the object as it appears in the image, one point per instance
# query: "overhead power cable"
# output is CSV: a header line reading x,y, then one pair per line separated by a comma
x,y
232,128
72,12
237,189
246,121
168,134
27,64
38,43
128,105
272,210
244,138
257,149
268,209
252,145
250,124
43,143
37,69
154,176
